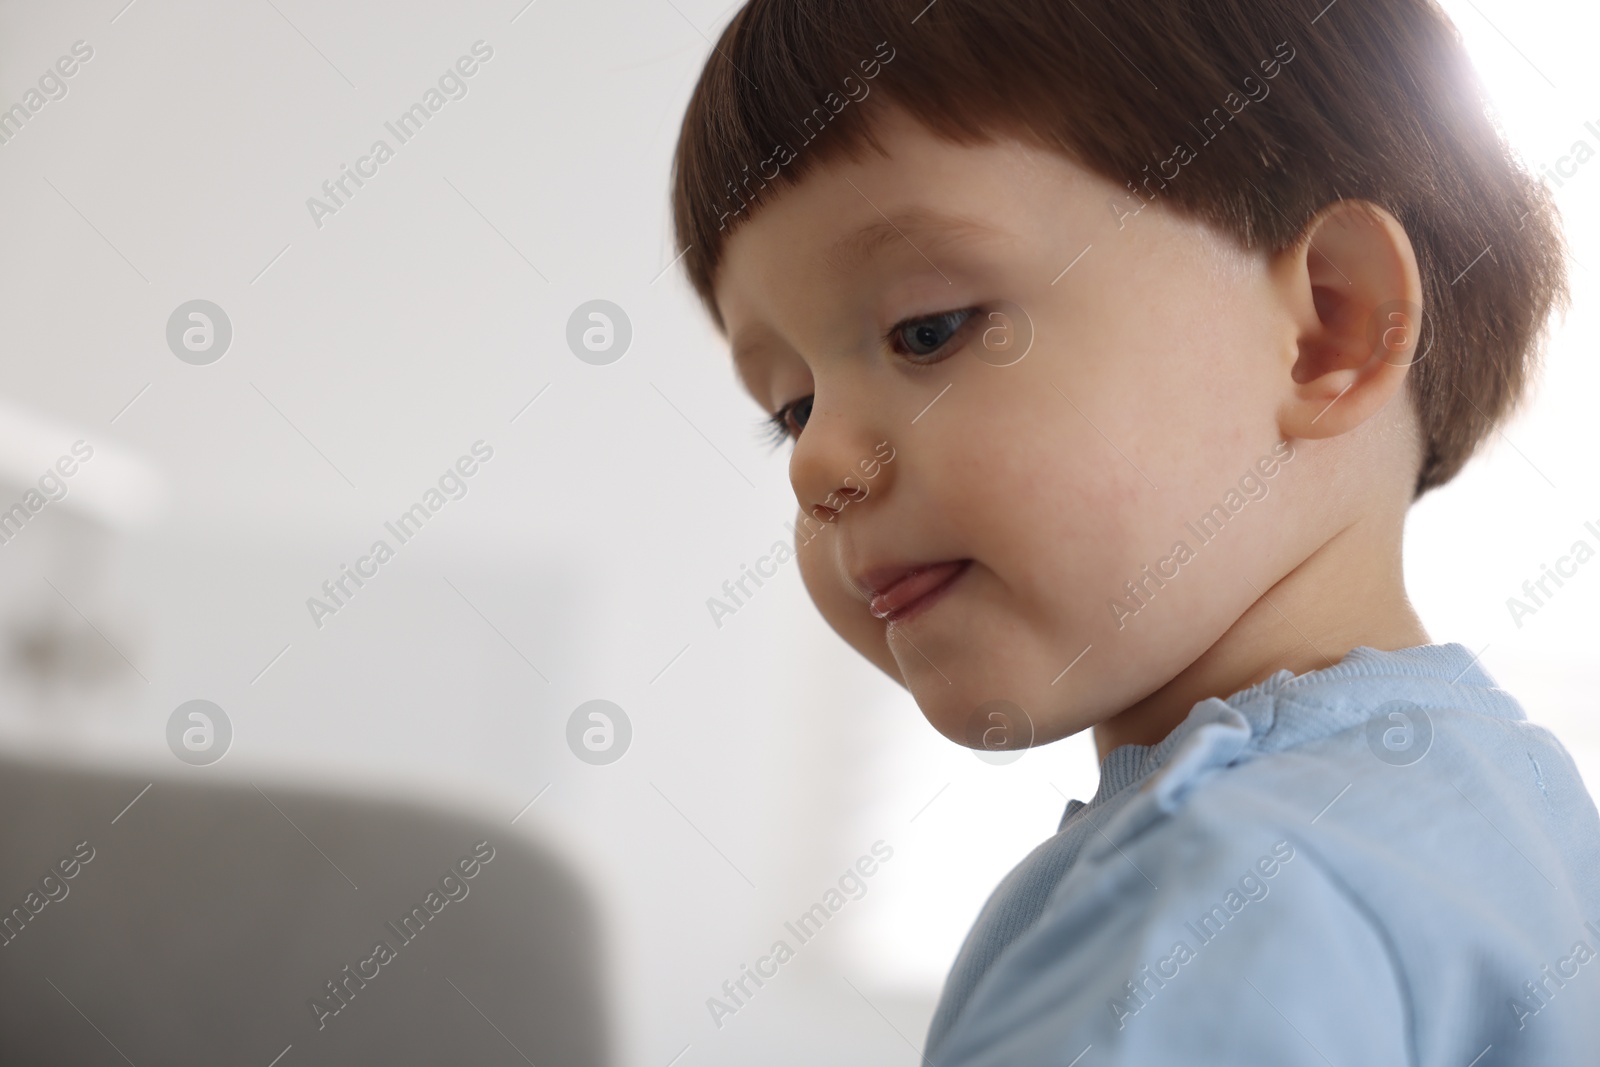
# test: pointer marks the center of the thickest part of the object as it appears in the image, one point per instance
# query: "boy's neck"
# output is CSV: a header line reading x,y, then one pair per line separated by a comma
x,y
1350,592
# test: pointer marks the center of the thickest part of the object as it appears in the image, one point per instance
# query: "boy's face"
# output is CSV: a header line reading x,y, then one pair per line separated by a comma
x,y
1115,381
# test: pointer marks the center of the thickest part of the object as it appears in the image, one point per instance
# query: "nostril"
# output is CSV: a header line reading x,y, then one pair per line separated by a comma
x,y
823,513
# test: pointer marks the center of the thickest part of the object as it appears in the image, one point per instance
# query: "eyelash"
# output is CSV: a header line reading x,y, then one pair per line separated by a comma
x,y
774,429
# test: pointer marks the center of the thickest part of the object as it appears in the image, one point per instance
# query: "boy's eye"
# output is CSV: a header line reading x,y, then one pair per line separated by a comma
x,y
797,414
919,340
923,337
788,421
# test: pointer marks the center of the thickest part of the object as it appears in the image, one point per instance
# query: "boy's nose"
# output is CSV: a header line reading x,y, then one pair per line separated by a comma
x,y
834,464
849,494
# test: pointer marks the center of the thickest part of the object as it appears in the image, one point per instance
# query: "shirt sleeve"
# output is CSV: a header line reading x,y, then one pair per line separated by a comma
x,y
1193,939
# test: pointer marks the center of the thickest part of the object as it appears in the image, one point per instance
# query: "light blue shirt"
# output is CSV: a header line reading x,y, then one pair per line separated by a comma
x,y
1378,863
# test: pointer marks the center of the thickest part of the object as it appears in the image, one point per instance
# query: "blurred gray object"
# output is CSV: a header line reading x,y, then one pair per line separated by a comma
x,y
212,913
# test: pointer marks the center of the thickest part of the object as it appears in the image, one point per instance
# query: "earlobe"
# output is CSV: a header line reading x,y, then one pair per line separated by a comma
x,y
1355,294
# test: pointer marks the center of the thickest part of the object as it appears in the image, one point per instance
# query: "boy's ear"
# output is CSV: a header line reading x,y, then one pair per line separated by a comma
x,y
1355,294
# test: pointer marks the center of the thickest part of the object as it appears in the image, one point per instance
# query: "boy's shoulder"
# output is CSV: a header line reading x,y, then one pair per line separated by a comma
x,y
1390,837
1381,757
1410,783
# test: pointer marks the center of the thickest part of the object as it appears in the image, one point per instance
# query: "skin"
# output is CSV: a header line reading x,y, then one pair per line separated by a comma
x,y
1162,367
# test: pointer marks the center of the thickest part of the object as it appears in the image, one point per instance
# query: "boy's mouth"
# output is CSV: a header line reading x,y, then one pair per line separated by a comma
x,y
896,593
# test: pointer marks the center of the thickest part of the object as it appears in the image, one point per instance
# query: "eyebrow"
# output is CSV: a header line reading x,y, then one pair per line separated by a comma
x,y
933,228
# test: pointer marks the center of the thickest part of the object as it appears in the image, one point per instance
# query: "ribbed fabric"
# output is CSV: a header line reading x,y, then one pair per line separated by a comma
x,y
1439,858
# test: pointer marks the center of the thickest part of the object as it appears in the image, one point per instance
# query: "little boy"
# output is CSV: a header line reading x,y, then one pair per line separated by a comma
x,y
1165,313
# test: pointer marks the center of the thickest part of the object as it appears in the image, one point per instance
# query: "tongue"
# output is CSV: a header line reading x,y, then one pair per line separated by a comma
x,y
913,586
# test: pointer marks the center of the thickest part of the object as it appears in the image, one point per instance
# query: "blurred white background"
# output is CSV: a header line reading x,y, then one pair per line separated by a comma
x,y
372,351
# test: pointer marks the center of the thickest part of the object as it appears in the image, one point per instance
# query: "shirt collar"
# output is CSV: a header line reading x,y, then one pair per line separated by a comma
x,y
1287,709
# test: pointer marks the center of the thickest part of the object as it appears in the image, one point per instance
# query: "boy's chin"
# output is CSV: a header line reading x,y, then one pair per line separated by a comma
x,y
996,725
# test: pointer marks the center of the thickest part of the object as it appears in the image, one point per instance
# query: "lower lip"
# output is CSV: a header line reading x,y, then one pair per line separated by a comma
x,y
907,611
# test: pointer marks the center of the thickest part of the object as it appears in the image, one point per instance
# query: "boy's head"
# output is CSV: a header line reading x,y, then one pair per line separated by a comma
x,y
1104,320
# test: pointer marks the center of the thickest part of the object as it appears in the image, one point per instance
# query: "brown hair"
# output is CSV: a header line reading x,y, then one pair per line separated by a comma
x,y
1375,101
